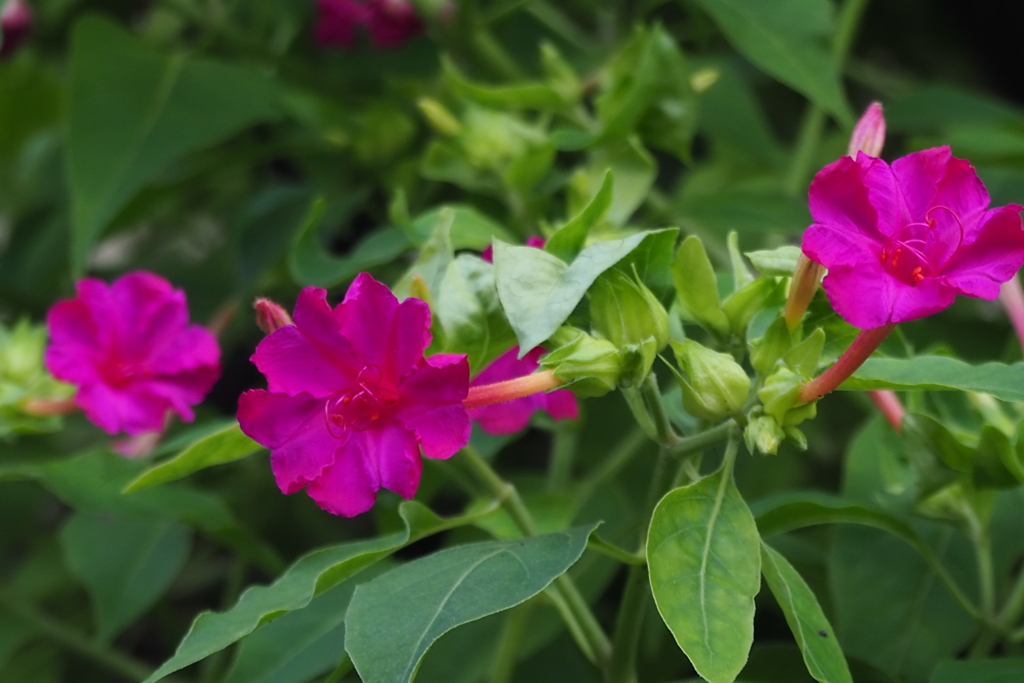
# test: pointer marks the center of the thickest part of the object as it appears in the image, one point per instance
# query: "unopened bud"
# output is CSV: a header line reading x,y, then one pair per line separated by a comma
x,y
714,386
625,312
763,435
869,133
591,366
805,283
270,316
15,25
781,398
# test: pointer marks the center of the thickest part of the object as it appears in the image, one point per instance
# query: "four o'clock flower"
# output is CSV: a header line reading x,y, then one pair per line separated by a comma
x,y
390,23
351,400
15,25
130,350
514,415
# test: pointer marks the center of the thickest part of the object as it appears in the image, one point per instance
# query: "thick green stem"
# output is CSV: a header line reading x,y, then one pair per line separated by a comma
x,y
125,666
650,395
575,610
689,445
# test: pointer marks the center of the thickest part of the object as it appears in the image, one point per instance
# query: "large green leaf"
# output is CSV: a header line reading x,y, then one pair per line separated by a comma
x,y
309,576
1009,670
227,445
166,107
569,239
395,618
538,291
812,631
786,39
470,313
939,373
704,555
125,563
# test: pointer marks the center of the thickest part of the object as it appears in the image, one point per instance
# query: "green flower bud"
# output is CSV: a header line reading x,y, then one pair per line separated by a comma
x,y
591,366
627,314
763,435
23,376
714,386
767,350
780,396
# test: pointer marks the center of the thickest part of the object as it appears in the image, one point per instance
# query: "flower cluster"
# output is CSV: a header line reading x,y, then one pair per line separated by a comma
x,y
390,23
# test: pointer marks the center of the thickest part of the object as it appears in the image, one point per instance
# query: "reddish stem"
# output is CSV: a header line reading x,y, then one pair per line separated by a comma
x,y
509,390
889,404
861,348
1012,297
45,407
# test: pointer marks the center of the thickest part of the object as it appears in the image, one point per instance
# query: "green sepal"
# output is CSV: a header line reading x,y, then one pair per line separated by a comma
x,y
697,286
714,386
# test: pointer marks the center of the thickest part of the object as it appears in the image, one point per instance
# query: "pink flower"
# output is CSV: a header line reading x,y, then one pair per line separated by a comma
x,y
869,133
15,25
352,400
512,416
270,316
131,351
901,241
389,22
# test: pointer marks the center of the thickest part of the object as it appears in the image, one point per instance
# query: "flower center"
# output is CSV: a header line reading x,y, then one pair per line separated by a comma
x,y
361,407
921,250
118,373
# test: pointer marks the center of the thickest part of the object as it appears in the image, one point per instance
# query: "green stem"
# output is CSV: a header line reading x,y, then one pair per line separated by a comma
x,y
574,608
510,646
664,434
213,665
125,666
1014,606
689,445
610,466
986,575
563,453
814,120
344,666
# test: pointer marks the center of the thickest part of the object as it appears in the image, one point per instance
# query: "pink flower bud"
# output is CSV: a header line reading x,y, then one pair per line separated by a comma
x,y
270,316
15,25
869,133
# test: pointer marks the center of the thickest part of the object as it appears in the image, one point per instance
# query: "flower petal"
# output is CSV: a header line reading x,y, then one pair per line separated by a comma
x,y
918,175
398,458
294,429
121,410
962,192
838,199
430,405
928,298
381,331
74,342
862,296
833,246
995,255
348,487
506,418
561,404
181,390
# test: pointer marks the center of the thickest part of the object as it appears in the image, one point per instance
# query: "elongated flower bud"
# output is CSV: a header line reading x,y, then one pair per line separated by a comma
x,y
270,316
806,279
869,133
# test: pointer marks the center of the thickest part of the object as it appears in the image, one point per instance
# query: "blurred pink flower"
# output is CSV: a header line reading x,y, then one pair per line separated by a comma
x,y
512,416
351,399
901,241
15,25
132,352
531,241
390,23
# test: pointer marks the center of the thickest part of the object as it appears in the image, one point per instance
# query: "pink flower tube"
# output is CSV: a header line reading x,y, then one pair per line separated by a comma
x,y
514,415
132,353
351,399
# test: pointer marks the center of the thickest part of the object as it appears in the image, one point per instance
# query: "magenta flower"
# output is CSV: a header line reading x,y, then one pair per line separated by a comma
x,y
389,22
352,400
512,416
901,241
15,25
131,351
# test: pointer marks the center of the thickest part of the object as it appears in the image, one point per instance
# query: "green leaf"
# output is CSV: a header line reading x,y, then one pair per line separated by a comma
x,y
470,228
812,631
300,644
125,563
697,285
741,276
939,373
1007,670
166,107
704,555
467,306
746,211
309,576
786,40
538,291
432,262
634,169
568,240
781,261
394,619
311,264
265,229
226,445
526,95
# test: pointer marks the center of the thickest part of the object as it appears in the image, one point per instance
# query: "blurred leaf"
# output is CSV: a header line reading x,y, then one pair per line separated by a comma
x,y
786,39
569,239
526,95
704,555
939,373
432,262
1007,670
470,228
14,633
166,108
470,313
634,170
733,118
747,212
891,609
30,100
394,619
812,631
227,445
265,229
309,576
939,106
539,291
311,264
125,563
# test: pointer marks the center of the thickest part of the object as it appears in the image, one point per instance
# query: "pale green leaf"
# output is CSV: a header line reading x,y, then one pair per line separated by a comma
x,y
227,445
